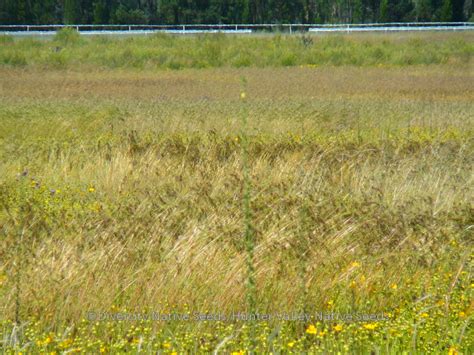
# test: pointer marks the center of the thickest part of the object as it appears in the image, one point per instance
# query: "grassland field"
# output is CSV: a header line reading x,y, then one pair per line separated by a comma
x,y
271,175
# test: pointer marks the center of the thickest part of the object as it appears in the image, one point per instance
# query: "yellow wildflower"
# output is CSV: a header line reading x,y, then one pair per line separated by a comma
x,y
355,264
91,189
462,314
370,326
337,328
243,95
424,315
166,345
65,343
291,344
394,286
452,351
311,329
240,352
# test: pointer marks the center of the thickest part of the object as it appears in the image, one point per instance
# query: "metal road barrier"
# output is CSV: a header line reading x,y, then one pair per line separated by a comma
x,y
45,30
390,28
122,33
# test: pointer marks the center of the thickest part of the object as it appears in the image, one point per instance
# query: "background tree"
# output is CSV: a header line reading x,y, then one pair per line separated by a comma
x,y
72,11
402,10
423,11
8,12
458,10
101,12
45,11
384,11
230,11
358,13
446,11
129,16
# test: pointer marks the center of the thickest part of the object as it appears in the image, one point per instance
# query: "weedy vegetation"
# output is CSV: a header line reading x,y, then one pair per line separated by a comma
x,y
68,50
336,179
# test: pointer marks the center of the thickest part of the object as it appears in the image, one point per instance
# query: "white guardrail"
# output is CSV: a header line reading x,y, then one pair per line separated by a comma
x,y
32,30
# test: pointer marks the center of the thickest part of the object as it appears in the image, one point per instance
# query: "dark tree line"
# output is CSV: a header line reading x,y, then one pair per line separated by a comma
x,y
230,11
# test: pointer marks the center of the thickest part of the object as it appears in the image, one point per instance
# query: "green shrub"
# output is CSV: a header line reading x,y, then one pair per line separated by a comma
x,y
212,52
67,36
6,39
13,58
242,60
289,59
57,60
